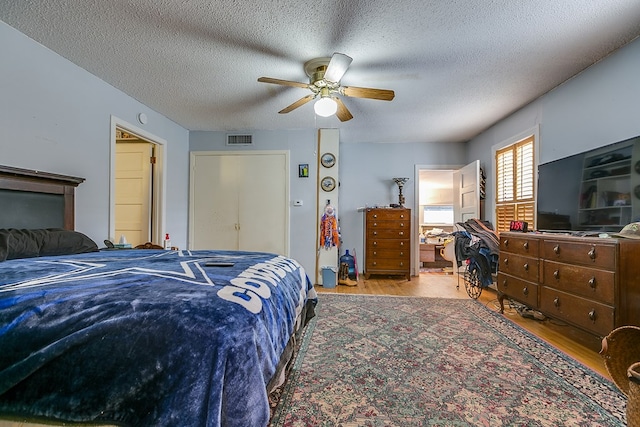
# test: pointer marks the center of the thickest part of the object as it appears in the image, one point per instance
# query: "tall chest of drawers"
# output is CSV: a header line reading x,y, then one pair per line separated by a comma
x,y
387,234
590,283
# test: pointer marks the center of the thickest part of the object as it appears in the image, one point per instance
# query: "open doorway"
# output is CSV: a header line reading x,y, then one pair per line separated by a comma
x,y
444,196
137,186
434,217
134,168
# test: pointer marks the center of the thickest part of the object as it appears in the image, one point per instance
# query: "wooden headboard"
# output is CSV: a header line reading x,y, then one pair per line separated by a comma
x,y
36,199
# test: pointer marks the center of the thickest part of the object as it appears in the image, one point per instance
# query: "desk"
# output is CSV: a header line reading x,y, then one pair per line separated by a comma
x,y
430,255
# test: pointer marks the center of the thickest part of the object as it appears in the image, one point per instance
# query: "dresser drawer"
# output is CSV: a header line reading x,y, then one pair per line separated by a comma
x,y
520,245
389,231
388,264
588,254
395,244
373,253
593,316
518,289
584,281
519,266
388,214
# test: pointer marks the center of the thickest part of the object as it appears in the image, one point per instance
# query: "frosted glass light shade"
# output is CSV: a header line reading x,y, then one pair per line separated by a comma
x,y
325,107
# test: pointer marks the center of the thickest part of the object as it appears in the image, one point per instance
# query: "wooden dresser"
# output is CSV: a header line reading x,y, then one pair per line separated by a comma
x,y
387,245
590,283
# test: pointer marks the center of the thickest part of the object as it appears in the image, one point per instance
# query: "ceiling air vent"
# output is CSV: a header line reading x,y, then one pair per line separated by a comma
x,y
239,140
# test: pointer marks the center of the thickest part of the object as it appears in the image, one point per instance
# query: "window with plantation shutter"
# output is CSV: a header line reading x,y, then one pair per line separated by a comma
x,y
515,189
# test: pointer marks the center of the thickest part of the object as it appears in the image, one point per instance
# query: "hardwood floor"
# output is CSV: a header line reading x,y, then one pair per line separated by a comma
x,y
441,285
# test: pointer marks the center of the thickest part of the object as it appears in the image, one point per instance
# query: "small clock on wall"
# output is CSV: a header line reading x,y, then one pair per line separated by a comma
x,y
328,160
328,183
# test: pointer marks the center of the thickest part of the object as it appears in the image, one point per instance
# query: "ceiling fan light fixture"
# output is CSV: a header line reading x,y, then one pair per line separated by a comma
x,y
325,106
324,83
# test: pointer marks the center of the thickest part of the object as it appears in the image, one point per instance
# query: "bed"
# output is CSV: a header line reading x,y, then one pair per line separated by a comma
x,y
142,337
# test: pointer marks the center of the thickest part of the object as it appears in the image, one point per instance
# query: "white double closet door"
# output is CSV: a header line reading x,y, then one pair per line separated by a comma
x,y
239,201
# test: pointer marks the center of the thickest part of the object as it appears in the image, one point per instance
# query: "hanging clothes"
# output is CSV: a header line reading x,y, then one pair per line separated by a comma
x,y
479,245
329,235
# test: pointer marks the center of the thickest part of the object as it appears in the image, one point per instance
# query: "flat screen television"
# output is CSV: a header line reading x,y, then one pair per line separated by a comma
x,y
591,192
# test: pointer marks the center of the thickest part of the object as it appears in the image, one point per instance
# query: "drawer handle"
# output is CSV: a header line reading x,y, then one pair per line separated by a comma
x,y
592,253
401,253
525,290
506,242
592,283
402,224
375,224
556,274
401,243
504,283
375,215
506,261
401,233
592,315
556,302
401,264
526,245
375,253
556,249
375,233
526,266
375,243
402,216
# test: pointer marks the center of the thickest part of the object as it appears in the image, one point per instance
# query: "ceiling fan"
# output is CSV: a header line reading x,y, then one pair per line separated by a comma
x,y
324,83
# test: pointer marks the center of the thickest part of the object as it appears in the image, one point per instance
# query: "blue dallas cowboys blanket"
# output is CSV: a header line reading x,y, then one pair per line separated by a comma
x,y
146,338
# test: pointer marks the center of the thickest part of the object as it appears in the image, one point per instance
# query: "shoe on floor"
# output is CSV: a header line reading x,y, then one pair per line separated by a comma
x,y
531,314
539,316
347,282
527,313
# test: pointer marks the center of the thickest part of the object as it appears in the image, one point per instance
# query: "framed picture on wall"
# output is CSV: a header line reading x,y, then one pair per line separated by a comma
x,y
303,170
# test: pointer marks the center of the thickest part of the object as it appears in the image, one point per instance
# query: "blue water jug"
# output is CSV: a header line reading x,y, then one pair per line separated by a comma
x,y
351,262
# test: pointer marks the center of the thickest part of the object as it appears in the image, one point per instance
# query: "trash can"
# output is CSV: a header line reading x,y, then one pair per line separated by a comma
x,y
329,277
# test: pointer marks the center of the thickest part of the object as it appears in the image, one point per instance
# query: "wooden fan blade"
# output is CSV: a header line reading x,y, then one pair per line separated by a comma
x,y
365,92
296,104
337,67
343,112
283,82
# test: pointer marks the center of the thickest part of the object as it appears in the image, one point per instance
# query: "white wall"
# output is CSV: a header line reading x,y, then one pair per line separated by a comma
x,y
366,172
55,117
595,108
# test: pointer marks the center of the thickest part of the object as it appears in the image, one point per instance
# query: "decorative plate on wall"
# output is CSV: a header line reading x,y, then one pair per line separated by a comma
x,y
328,183
328,160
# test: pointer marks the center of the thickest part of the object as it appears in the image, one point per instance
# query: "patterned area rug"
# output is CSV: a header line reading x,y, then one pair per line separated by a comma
x,y
402,361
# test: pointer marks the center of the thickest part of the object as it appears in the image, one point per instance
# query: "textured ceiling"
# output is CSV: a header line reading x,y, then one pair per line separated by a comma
x,y
456,66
